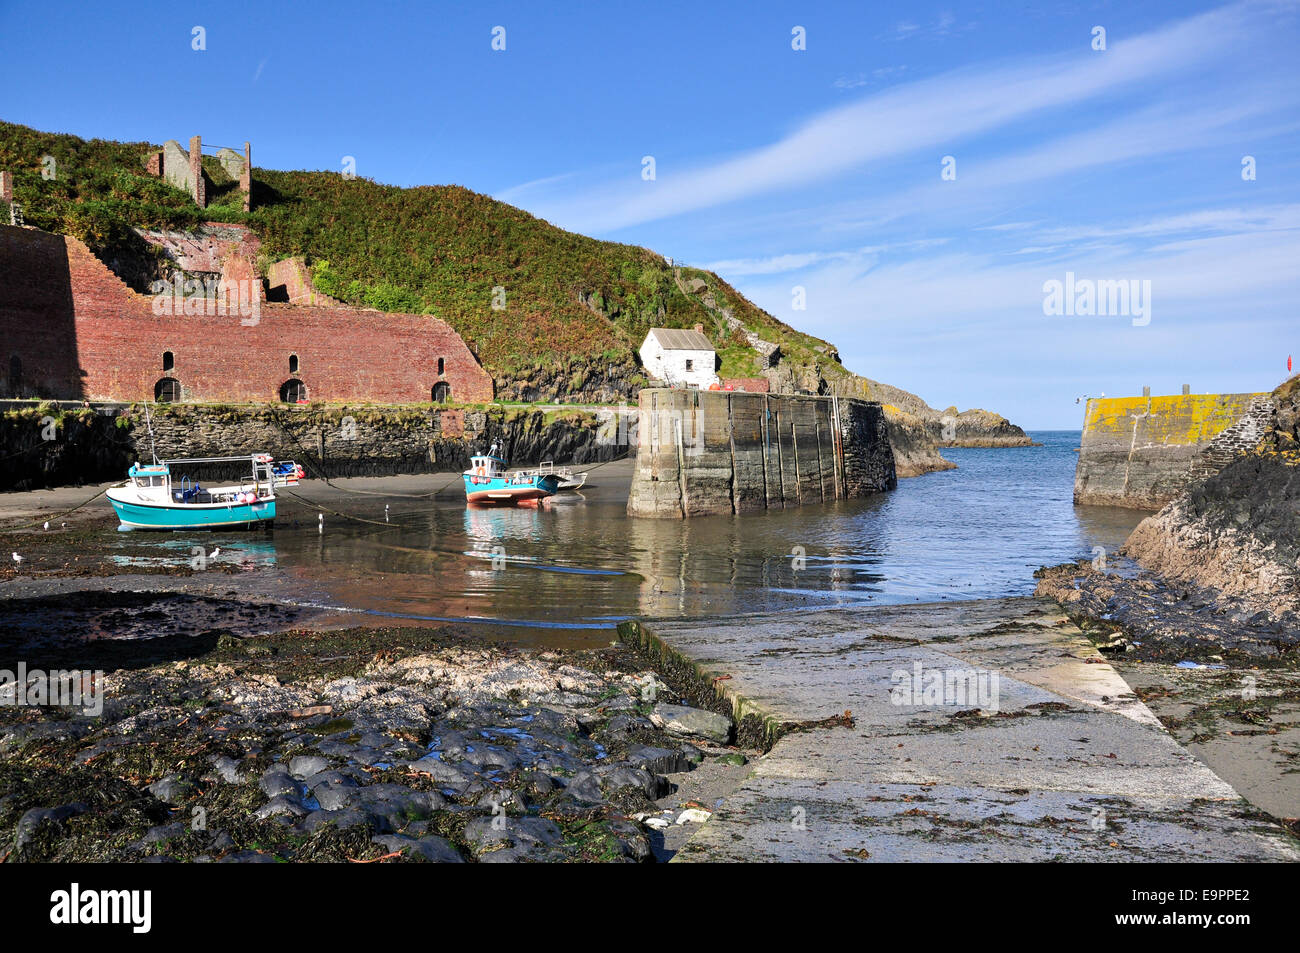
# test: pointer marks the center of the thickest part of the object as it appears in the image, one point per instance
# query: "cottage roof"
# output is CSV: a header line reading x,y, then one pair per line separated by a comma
x,y
676,339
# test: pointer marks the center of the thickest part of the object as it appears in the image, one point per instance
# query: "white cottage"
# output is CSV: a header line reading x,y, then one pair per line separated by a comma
x,y
679,358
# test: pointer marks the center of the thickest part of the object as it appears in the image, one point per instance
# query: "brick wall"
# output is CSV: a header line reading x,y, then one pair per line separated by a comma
x,y
199,185
751,385
211,248
246,178
36,316
289,280
80,332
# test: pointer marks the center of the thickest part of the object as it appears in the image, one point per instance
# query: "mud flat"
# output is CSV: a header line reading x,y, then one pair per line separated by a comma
x,y
1071,765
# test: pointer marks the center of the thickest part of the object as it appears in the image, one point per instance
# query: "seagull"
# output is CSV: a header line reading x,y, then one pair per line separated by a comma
x,y
320,525
18,560
215,553
47,526
385,512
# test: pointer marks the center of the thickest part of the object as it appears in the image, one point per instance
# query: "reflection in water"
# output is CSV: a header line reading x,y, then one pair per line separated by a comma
x,y
975,532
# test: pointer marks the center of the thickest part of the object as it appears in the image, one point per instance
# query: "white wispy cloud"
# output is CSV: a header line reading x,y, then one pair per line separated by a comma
x,y
936,112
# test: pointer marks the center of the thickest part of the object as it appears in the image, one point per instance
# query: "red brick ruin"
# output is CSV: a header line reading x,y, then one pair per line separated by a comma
x,y
71,329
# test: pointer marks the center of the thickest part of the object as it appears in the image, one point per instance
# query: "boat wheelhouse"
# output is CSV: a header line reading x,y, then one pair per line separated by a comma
x,y
151,497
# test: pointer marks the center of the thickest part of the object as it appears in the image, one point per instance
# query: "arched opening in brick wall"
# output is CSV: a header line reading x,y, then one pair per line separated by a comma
x,y
441,366
441,392
169,361
167,390
293,363
293,391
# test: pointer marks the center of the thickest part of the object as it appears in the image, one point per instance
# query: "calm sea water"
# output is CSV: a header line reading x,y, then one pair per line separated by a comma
x,y
582,564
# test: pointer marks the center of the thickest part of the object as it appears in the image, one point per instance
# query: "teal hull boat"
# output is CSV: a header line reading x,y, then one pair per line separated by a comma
x,y
150,499
207,516
488,483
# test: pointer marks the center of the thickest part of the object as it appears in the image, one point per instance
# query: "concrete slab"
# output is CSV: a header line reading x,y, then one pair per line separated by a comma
x,y
987,730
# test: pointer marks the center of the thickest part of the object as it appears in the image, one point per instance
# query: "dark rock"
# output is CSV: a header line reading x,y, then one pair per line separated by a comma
x,y
282,804
226,769
304,766
430,848
505,839
171,790
344,819
694,722
660,760
248,857
276,782
34,818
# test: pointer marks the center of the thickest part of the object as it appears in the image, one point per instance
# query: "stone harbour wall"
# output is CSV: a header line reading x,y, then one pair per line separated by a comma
x,y
1143,452
711,452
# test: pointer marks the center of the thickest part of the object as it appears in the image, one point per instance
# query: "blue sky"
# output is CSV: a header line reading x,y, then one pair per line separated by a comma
x,y
817,169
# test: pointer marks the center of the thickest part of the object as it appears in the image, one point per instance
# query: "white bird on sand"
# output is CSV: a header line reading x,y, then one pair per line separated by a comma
x,y
47,525
18,559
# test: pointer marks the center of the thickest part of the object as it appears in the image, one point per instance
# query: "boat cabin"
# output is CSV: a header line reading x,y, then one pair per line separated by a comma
x,y
485,467
152,482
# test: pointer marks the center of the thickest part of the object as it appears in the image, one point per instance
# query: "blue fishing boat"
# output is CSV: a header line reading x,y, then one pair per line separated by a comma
x,y
150,497
488,482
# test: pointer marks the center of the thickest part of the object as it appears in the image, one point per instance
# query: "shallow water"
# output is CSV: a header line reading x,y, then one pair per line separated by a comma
x,y
582,564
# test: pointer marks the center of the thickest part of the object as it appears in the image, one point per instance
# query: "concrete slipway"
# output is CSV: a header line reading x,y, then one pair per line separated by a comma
x,y
1072,767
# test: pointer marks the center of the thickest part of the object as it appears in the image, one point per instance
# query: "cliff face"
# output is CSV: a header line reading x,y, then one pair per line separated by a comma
x,y
1237,531
335,442
915,449
947,428
975,428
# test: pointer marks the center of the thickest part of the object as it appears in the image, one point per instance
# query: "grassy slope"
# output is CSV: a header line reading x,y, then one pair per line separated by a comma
x,y
433,249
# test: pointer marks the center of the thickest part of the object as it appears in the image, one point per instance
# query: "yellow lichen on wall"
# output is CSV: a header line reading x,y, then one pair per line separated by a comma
x,y
1177,419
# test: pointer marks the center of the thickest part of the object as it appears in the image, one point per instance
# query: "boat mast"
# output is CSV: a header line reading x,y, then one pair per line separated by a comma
x,y
148,421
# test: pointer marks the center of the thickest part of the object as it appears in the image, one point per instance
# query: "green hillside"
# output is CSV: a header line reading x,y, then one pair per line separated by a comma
x,y
576,308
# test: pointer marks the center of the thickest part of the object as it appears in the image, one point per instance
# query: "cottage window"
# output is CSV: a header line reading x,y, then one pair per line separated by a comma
x,y
690,365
